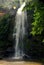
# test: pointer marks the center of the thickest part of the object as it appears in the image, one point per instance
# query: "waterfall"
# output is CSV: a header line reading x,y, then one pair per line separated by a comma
x,y
21,17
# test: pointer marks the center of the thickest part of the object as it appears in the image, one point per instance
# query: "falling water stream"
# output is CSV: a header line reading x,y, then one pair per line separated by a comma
x,y
21,16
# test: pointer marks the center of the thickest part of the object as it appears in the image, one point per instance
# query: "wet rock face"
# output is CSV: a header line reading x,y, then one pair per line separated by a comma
x,y
12,13
6,35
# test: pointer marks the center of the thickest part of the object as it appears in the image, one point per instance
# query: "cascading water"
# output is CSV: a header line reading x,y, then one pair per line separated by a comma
x,y
21,17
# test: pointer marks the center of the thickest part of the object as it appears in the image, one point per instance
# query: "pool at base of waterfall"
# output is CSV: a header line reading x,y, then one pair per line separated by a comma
x,y
14,59
17,58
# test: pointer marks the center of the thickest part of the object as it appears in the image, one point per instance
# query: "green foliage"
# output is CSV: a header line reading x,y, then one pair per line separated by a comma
x,y
4,23
35,45
38,16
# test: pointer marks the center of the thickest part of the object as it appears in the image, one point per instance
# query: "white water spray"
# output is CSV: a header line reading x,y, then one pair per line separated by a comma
x,y
21,16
